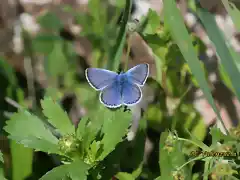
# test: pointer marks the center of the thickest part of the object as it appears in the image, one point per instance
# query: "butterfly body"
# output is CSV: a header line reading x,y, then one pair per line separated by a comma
x,y
118,89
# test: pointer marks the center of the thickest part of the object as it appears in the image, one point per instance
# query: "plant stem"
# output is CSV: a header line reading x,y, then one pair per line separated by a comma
x,y
128,52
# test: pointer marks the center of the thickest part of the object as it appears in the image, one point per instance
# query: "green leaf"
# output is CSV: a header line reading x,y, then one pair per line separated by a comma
x,y
224,76
217,135
222,47
116,53
114,128
22,159
152,23
56,116
7,71
199,143
1,157
82,127
124,176
29,130
76,171
171,158
44,43
56,62
94,126
175,22
164,159
233,12
50,21
2,173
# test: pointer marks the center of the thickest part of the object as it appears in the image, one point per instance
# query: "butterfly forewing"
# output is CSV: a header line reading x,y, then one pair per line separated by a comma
x,y
138,74
111,96
131,94
100,78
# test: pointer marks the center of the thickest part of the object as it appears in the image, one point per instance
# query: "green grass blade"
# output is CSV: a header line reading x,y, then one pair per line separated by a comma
x,y
233,12
174,20
222,48
116,53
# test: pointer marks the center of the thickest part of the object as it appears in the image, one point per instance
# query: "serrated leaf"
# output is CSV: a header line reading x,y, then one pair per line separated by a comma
x,y
76,171
50,21
153,22
94,125
1,157
114,128
30,131
81,127
56,116
56,63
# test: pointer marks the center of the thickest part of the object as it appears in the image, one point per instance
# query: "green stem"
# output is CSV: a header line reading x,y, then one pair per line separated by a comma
x,y
192,142
116,53
191,160
128,52
206,166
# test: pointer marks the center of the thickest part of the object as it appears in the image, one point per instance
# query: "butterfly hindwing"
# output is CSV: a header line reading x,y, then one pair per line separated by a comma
x,y
131,94
138,74
100,78
111,96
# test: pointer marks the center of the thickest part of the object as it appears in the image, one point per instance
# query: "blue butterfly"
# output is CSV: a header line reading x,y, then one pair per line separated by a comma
x,y
118,89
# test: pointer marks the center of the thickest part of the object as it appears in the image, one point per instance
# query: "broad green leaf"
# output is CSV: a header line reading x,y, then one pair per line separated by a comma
x,y
116,53
22,159
124,176
222,48
29,130
50,21
114,128
56,116
233,12
171,158
174,20
152,23
164,159
56,62
76,171
1,157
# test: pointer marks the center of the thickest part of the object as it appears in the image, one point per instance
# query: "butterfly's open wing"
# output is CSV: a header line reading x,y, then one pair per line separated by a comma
x,y
111,96
131,94
138,74
100,78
